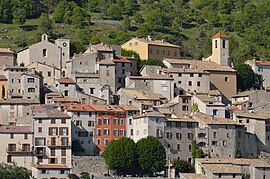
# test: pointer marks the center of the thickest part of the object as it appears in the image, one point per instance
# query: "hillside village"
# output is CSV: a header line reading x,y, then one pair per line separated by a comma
x,y
50,99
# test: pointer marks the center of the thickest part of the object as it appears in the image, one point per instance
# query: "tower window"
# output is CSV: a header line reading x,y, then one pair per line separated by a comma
x,y
215,43
44,53
224,43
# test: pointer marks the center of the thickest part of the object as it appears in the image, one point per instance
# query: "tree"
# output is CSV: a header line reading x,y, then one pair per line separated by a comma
x,y
5,11
77,146
130,53
126,24
78,17
246,78
114,12
61,10
120,155
85,175
151,155
94,40
182,166
196,151
8,171
19,17
46,25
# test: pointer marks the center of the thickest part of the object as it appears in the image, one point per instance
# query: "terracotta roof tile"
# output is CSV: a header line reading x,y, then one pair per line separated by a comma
x,y
214,168
106,62
65,100
15,129
78,107
112,108
66,81
5,50
51,167
152,76
210,120
201,65
220,35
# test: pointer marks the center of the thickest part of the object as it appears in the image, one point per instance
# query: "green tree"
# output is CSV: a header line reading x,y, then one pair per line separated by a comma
x,y
84,35
46,25
130,53
61,9
196,151
120,155
85,175
8,171
182,166
151,155
19,17
154,62
77,147
114,12
78,17
246,78
5,11
95,40
126,24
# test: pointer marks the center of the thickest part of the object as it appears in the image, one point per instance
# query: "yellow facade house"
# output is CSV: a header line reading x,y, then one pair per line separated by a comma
x,y
149,48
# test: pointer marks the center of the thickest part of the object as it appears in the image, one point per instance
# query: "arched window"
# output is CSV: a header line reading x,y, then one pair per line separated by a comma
x,y
201,135
202,144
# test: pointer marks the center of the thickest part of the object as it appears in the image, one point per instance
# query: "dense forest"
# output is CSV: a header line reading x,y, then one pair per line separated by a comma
x,y
188,23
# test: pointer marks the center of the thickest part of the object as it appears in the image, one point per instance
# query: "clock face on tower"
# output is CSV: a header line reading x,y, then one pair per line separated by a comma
x,y
64,44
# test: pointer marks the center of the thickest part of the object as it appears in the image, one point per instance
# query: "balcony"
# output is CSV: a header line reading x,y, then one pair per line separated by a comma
x,y
18,150
58,143
40,151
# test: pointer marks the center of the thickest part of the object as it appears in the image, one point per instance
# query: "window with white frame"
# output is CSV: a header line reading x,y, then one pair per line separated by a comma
x,y
122,132
106,132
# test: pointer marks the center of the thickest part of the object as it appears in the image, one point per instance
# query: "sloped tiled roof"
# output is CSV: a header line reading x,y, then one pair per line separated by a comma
x,y
220,35
15,129
77,107
106,62
66,81
207,119
5,50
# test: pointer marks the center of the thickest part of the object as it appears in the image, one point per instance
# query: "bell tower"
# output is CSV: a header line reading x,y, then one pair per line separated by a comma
x,y
220,49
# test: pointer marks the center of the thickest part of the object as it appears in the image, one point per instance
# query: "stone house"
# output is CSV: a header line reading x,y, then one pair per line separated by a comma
x,y
46,52
48,72
23,83
210,105
16,111
178,136
190,80
16,146
3,87
66,86
155,83
219,137
52,142
6,57
149,48
220,76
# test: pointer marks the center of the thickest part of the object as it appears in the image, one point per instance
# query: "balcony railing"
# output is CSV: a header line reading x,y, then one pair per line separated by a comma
x,y
58,144
19,150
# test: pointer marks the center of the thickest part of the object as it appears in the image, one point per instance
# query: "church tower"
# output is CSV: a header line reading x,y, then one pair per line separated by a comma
x,y
220,49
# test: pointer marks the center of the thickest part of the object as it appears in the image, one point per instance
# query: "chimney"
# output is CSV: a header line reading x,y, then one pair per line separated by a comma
x,y
149,38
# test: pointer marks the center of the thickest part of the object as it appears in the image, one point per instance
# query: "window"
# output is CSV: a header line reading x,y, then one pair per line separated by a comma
x,y
11,147
31,90
184,108
179,82
52,131
49,74
63,121
200,75
226,79
168,135
63,131
92,90
122,132
159,133
40,121
52,151
136,43
164,88
130,44
106,141
198,83
78,114
40,129
224,43
52,161
215,134
98,131
178,147
63,152
44,52
190,83
179,74
64,161
260,69
157,51
150,51
30,80
178,136
131,132
25,136
214,142
215,43
189,148
52,121
185,100
115,121
169,53
66,85
106,132
98,141
90,123
201,135
99,121
106,121
11,136
191,75
115,132
121,121
66,92
215,112
190,136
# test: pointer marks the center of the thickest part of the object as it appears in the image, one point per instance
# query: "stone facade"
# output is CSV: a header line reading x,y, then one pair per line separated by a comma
x,y
6,57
